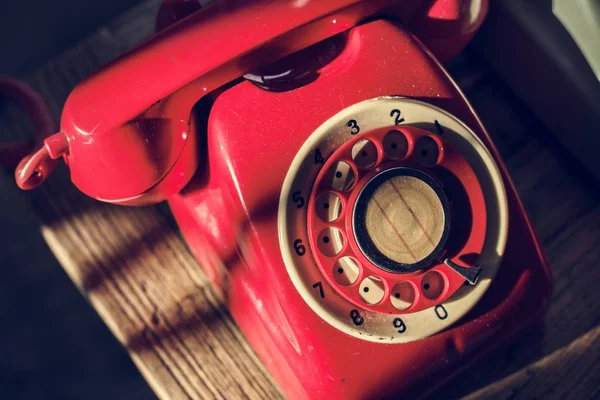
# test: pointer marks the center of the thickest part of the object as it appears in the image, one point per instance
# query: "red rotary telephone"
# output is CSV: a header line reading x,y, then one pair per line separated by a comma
x,y
330,178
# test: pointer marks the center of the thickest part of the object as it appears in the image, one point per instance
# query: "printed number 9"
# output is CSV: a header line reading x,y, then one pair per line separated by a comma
x,y
400,325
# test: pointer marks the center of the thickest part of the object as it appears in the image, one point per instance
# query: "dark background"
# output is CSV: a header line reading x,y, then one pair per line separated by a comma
x,y
33,31
53,345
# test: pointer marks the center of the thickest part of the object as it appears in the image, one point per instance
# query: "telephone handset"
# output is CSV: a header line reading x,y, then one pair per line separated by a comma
x,y
330,178
142,104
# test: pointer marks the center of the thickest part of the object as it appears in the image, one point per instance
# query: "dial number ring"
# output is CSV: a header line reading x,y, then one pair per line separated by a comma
x,y
304,273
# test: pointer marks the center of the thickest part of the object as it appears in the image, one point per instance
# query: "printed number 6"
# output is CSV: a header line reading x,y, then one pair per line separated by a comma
x,y
299,247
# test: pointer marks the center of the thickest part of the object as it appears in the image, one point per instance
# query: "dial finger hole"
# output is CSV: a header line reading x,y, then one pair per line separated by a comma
x,y
328,207
372,290
340,176
432,285
330,241
395,144
364,154
427,151
402,295
346,271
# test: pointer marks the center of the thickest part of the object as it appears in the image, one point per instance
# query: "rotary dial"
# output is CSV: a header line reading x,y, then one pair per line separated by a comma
x,y
389,215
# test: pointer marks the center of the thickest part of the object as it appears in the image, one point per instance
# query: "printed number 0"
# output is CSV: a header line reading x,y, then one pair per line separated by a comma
x,y
441,312
356,317
299,247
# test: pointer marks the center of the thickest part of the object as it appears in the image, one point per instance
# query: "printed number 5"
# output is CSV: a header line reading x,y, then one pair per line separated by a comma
x,y
298,199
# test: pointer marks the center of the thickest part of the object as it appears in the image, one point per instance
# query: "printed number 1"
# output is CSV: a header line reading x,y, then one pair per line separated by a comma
x,y
319,157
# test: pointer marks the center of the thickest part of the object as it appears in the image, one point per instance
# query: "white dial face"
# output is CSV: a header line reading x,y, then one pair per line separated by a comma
x,y
333,270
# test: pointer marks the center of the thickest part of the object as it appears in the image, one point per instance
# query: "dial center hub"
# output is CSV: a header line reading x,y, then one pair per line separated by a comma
x,y
401,220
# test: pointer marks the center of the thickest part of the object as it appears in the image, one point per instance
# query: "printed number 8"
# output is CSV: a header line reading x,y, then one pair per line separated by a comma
x,y
356,317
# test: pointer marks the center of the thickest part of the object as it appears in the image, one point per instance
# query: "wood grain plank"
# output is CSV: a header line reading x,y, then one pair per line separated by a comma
x,y
572,372
562,201
166,314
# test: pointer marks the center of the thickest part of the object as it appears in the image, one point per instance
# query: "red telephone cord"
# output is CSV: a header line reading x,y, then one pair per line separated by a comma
x,y
35,167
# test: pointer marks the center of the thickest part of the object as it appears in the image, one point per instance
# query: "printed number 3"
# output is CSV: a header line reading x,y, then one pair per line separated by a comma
x,y
353,125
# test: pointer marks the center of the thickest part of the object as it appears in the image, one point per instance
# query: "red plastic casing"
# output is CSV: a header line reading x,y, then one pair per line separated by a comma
x,y
228,216
133,140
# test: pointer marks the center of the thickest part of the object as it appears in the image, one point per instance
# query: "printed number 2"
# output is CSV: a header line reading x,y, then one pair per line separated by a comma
x,y
396,113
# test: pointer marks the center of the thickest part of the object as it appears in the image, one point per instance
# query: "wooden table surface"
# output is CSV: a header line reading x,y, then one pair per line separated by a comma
x,y
136,271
